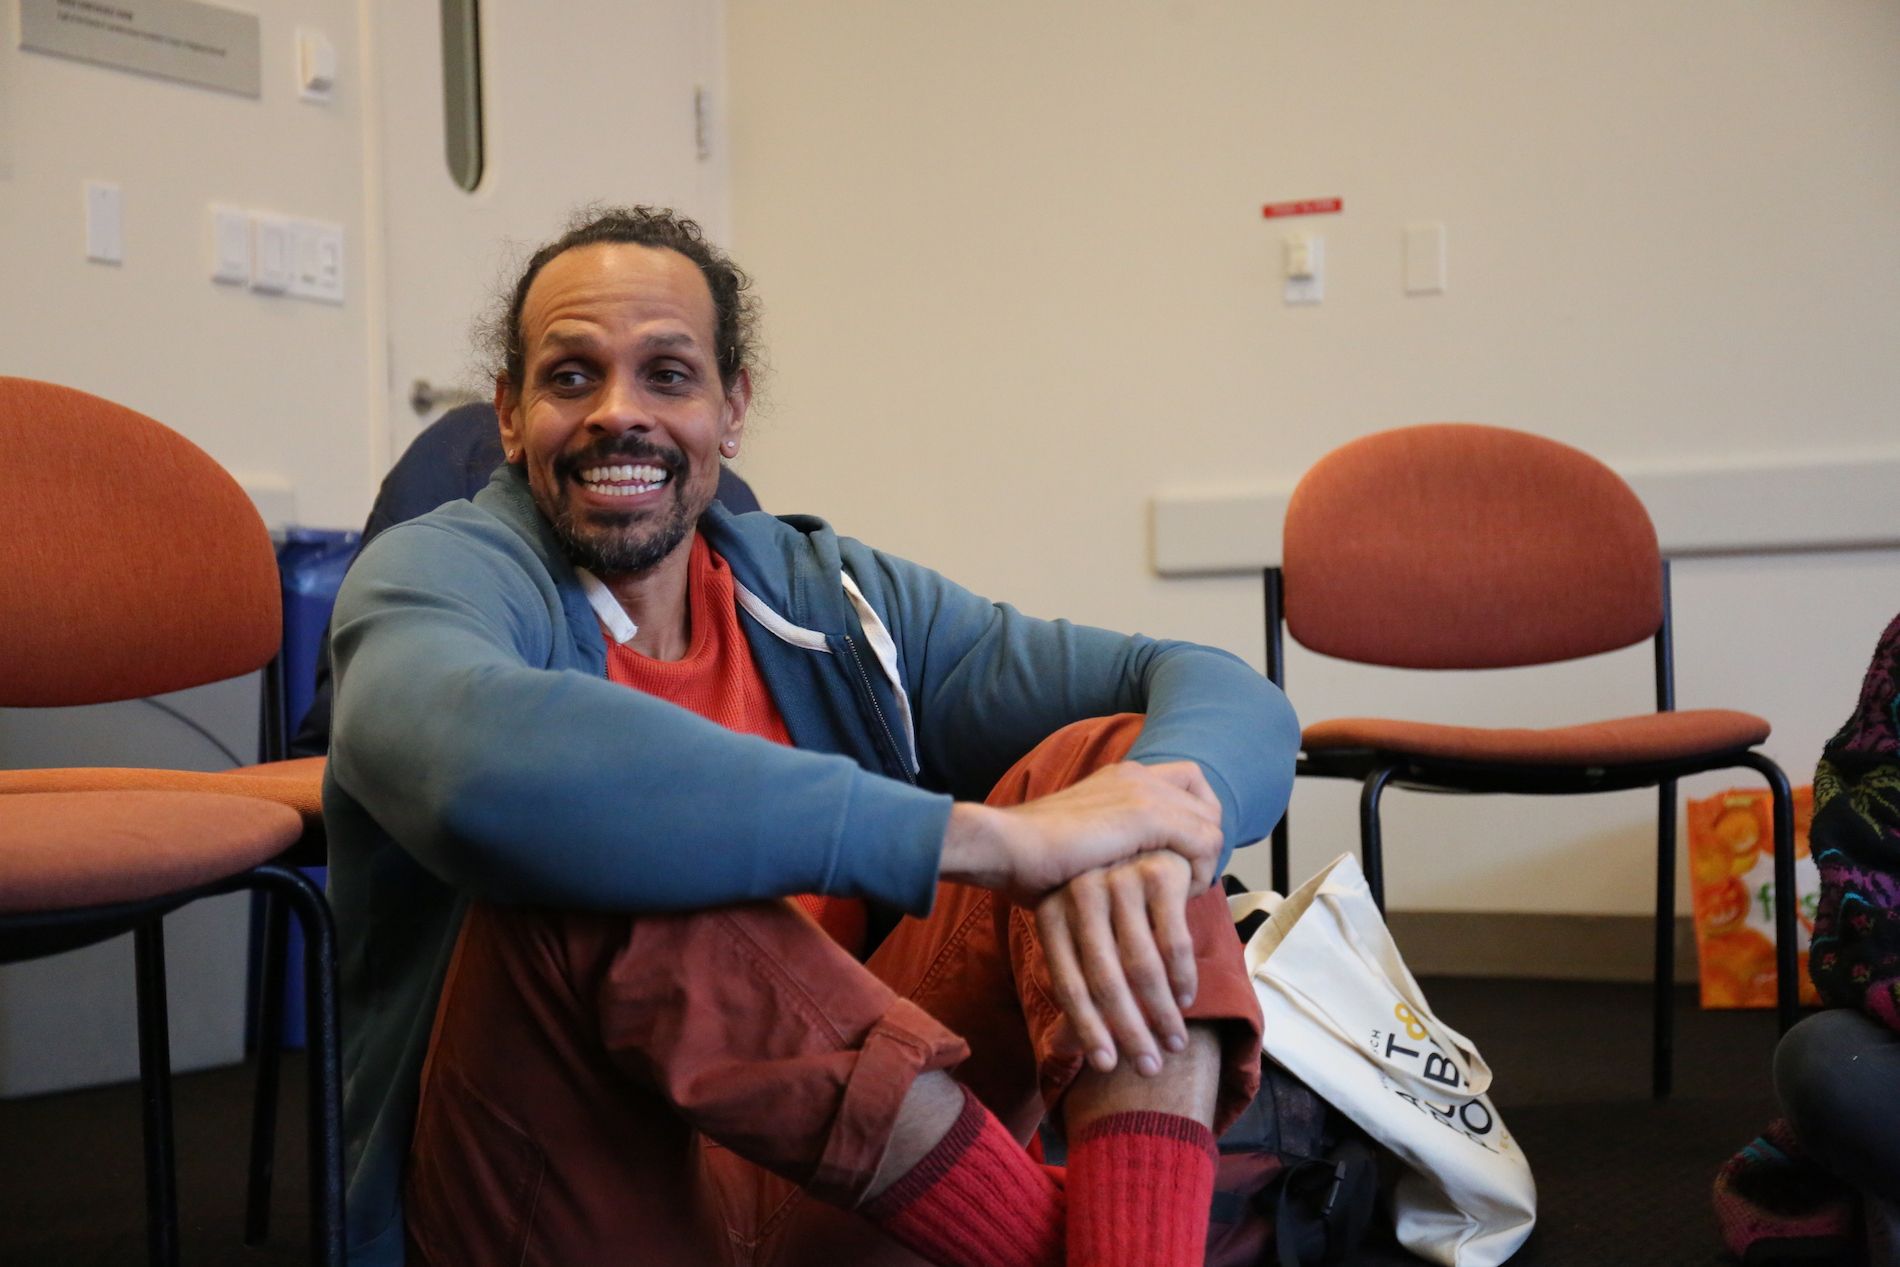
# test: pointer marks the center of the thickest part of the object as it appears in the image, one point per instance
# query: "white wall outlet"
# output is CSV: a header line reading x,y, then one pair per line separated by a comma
x,y
271,263
230,246
105,223
1305,268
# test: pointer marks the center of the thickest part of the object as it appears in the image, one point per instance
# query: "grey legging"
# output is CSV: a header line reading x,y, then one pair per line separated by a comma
x,y
1837,1075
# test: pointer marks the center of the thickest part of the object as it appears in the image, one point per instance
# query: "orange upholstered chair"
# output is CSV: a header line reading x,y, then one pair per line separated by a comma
x,y
131,564
1454,546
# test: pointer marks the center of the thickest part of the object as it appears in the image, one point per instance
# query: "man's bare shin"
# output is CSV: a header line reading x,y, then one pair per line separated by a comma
x,y
1187,1086
930,1109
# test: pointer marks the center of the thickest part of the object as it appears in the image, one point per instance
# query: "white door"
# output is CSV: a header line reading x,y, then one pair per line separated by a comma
x,y
584,101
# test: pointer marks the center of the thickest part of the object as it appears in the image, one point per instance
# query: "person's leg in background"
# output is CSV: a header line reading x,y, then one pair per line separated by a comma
x,y
1837,1075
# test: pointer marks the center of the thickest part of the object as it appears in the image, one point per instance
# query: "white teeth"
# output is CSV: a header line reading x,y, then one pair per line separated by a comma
x,y
624,479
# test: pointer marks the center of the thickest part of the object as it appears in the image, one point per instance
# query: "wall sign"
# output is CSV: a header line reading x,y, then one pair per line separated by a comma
x,y
173,39
1304,207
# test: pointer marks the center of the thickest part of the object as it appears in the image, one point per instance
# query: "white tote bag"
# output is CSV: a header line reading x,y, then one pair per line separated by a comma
x,y
1344,1015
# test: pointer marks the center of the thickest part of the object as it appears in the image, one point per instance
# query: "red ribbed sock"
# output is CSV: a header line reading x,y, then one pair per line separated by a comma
x,y
1139,1187
977,1198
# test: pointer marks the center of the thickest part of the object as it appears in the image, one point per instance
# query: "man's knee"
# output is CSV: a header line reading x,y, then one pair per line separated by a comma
x,y
1068,756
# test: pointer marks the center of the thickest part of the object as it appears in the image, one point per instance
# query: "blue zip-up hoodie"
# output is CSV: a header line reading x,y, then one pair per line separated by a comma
x,y
480,753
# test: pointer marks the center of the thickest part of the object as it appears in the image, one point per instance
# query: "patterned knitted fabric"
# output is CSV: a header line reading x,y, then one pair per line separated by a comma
x,y
1775,1205
1855,956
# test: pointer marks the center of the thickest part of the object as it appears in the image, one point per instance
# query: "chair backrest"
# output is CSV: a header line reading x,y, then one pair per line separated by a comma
x,y
130,563
1456,546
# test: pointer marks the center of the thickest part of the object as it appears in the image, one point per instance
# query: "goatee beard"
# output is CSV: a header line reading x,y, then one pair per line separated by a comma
x,y
606,542
603,545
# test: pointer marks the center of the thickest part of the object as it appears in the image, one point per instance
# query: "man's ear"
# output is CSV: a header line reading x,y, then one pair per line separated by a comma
x,y
506,400
738,401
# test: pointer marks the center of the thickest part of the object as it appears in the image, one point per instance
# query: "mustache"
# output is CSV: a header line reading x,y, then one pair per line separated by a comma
x,y
624,448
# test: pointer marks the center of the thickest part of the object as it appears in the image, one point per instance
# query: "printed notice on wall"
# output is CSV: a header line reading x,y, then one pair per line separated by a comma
x,y
174,39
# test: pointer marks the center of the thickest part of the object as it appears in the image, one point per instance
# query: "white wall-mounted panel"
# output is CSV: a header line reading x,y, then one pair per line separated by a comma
x,y
1731,508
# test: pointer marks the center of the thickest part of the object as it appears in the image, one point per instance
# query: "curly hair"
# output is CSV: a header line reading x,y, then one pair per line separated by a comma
x,y
735,309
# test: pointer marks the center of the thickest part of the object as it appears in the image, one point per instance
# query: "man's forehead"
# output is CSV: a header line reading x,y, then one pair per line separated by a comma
x,y
617,273
564,335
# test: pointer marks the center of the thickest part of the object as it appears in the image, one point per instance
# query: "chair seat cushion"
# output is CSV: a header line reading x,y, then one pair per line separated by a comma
x,y
1622,741
66,850
297,784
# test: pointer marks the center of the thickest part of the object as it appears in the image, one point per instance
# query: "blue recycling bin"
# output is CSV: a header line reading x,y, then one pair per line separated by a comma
x,y
311,563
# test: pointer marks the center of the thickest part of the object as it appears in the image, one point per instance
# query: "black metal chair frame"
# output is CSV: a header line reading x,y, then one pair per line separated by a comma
x,y
37,934
1375,771
267,1010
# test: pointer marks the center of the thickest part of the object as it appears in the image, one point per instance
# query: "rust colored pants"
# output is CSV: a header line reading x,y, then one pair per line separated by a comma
x,y
719,1086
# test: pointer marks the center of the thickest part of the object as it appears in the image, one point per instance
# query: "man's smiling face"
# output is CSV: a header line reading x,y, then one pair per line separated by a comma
x,y
621,415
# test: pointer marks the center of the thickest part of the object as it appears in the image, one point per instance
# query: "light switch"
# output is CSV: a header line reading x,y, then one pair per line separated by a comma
x,y
105,223
316,251
272,268
316,65
330,263
230,246
1425,259
1299,256
1305,268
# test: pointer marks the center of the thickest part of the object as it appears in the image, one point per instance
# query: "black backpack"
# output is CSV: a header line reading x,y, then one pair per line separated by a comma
x,y
1296,1180
1295,1183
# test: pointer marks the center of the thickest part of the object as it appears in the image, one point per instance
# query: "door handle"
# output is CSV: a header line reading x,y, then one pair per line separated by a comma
x,y
425,397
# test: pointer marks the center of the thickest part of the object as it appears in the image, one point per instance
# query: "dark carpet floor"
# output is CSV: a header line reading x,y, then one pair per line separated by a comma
x,y
1621,1179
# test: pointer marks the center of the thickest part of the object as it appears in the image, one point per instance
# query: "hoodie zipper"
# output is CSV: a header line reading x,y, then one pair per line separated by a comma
x,y
890,739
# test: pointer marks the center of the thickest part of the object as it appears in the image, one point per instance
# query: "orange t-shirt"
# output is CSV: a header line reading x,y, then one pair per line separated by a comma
x,y
719,680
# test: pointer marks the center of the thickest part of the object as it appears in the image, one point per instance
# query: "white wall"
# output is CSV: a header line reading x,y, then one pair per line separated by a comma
x,y
1017,284
304,402
273,388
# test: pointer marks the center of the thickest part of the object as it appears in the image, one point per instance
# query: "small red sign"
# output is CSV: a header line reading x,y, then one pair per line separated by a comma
x,y
1304,207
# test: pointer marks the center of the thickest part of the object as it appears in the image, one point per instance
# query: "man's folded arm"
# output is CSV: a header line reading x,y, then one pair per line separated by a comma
x,y
514,782
996,682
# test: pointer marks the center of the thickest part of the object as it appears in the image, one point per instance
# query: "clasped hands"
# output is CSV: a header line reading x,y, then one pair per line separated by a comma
x,y
1108,864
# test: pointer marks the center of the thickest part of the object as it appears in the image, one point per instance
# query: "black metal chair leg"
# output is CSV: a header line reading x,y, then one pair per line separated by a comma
x,y
1663,1023
270,1034
1282,866
325,1098
1787,965
155,1073
1371,851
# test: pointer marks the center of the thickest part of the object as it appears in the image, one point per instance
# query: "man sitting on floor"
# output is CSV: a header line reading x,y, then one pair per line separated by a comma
x,y
589,728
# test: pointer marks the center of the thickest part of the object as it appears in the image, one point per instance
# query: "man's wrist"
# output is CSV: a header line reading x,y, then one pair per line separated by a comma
x,y
975,848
